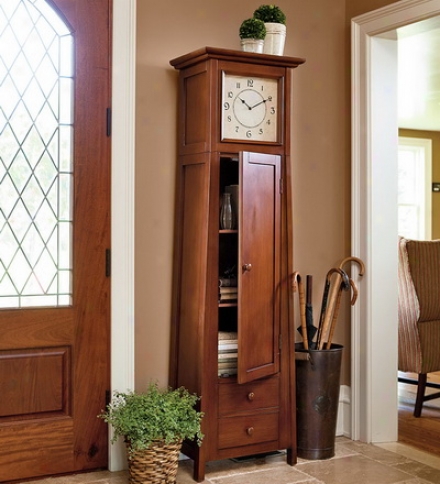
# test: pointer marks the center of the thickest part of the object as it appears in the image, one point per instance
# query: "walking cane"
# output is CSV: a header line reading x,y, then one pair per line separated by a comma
x,y
336,310
326,313
297,283
338,299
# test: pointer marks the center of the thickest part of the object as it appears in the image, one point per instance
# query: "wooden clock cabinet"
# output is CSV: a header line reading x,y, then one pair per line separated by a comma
x,y
234,130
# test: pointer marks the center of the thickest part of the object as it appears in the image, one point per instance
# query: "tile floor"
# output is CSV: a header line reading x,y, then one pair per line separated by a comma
x,y
353,463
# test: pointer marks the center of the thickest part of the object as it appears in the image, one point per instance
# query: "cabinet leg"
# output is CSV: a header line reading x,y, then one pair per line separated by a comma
x,y
291,457
199,469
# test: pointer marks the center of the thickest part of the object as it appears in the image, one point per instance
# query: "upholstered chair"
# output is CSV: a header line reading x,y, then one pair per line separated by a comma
x,y
419,314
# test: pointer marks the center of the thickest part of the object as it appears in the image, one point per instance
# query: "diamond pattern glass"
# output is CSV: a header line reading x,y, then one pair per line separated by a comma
x,y
36,149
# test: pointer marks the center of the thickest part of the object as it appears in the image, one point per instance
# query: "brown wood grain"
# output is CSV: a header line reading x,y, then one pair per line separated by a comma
x,y
249,397
37,382
75,385
422,433
28,449
248,430
260,236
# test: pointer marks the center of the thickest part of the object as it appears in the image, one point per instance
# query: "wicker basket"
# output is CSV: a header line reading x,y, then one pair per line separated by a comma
x,y
155,465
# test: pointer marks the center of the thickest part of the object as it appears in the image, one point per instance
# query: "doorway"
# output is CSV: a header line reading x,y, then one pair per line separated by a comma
x,y
374,118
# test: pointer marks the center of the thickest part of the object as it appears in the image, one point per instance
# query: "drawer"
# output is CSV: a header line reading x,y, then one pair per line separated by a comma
x,y
247,430
235,398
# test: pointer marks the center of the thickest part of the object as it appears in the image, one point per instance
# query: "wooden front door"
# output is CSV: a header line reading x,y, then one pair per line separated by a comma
x,y
54,235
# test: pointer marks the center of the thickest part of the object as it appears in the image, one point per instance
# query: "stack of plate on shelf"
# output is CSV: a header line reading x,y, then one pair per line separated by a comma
x,y
227,353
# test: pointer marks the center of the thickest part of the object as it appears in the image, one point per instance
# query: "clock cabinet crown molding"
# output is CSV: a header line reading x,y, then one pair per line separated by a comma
x,y
204,53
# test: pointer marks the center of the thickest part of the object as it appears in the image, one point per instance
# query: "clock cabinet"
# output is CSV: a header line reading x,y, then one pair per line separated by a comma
x,y
232,333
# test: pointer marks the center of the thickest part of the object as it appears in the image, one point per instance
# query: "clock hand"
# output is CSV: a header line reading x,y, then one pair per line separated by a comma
x,y
245,103
261,102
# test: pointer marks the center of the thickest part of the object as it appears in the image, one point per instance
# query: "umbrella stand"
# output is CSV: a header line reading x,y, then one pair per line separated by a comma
x,y
318,368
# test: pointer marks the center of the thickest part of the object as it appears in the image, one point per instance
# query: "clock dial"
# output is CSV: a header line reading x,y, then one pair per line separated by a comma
x,y
249,108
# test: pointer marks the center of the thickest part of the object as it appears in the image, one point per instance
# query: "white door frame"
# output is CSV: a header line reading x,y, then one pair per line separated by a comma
x,y
374,222
122,206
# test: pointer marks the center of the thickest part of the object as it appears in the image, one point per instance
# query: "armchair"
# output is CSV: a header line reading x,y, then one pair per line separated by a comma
x,y
419,314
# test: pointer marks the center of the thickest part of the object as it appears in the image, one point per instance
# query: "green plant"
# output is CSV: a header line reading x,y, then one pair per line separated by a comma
x,y
141,418
270,13
252,28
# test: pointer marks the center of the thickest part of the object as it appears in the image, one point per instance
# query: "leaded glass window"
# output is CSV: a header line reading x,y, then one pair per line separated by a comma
x,y
36,155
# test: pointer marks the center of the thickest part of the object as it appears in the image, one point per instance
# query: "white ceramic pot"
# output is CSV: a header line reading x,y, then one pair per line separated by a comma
x,y
252,45
275,38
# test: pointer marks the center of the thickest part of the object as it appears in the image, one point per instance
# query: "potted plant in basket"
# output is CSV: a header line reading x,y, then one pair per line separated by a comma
x,y
275,22
252,33
153,425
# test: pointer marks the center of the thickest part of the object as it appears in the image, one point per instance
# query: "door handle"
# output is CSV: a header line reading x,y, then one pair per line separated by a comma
x,y
246,267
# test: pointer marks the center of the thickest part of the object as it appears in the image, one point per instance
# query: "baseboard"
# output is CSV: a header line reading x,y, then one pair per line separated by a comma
x,y
343,425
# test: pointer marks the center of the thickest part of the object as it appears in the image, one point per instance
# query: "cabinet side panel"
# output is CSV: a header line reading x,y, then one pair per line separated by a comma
x,y
193,270
195,108
288,327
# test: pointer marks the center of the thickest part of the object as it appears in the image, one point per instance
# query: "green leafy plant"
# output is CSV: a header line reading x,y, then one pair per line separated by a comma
x,y
166,415
252,28
270,13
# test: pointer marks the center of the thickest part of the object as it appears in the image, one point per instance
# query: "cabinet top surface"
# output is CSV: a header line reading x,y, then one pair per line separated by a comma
x,y
205,53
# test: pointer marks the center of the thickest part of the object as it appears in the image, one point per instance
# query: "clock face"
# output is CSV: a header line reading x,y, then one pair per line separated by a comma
x,y
249,108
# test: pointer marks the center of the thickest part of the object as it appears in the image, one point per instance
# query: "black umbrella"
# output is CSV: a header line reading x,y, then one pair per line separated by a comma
x,y
311,329
308,316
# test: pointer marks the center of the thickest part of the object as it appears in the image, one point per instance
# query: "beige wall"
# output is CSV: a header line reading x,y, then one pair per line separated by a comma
x,y
359,7
317,30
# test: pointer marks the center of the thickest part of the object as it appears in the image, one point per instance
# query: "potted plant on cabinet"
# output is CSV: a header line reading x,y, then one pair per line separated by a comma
x,y
252,33
275,22
153,425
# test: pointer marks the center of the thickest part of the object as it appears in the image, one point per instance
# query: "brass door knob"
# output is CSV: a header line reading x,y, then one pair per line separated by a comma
x,y
247,267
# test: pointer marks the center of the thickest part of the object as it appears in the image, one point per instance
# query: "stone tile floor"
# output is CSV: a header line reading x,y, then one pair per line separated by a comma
x,y
353,463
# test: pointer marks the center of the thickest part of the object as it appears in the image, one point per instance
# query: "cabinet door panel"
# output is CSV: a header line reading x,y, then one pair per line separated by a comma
x,y
258,334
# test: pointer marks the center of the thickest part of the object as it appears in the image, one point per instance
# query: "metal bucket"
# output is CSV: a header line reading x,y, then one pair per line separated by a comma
x,y
317,400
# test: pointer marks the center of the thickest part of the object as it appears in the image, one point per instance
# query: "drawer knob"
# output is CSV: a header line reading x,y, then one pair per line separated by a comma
x,y
250,431
251,396
247,267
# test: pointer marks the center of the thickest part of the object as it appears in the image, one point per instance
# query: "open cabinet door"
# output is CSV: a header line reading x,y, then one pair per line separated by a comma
x,y
259,266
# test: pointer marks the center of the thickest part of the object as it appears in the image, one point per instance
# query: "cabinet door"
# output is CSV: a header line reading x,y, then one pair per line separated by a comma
x,y
259,266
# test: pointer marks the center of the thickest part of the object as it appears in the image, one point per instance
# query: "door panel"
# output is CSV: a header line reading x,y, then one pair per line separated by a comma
x,y
48,370
258,334
54,361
